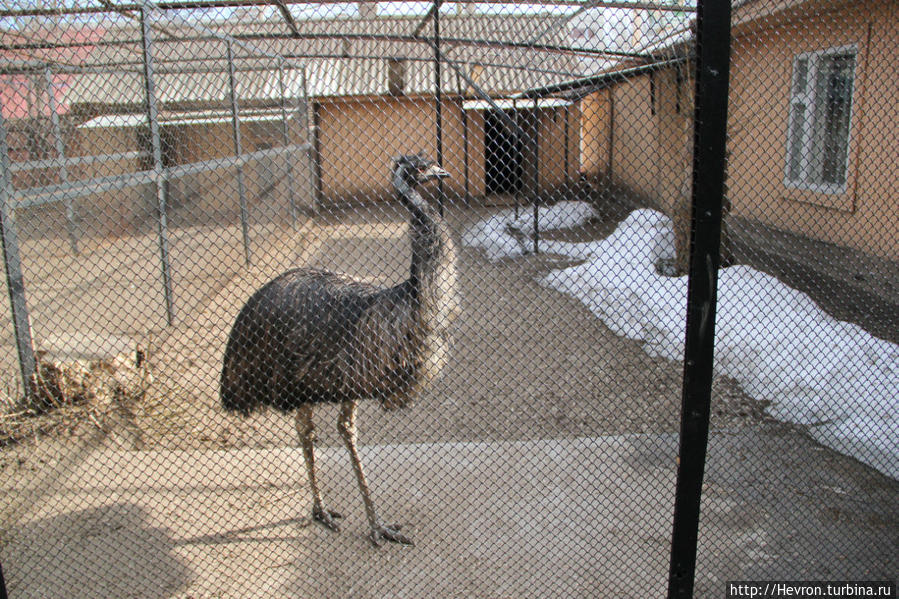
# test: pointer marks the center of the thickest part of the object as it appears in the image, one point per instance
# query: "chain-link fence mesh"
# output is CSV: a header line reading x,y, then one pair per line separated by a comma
x,y
244,297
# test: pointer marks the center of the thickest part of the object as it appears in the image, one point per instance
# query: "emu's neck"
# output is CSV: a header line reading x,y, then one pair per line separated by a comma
x,y
432,272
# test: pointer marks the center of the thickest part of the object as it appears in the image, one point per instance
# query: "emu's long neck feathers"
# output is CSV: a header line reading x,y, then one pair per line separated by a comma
x,y
429,241
432,275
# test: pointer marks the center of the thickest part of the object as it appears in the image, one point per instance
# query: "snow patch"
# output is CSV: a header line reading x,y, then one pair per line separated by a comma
x,y
831,376
504,236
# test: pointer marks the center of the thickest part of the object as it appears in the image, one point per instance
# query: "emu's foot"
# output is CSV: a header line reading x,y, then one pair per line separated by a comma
x,y
327,518
391,533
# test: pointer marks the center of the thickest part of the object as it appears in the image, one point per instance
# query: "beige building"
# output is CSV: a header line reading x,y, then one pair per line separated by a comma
x,y
358,137
830,178
365,106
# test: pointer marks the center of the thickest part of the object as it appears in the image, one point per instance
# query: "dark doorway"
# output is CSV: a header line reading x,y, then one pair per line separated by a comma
x,y
502,156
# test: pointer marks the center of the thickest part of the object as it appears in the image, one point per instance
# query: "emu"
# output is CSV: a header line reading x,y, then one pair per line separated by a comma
x,y
311,336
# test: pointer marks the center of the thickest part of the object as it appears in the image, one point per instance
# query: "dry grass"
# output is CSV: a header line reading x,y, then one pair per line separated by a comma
x,y
67,394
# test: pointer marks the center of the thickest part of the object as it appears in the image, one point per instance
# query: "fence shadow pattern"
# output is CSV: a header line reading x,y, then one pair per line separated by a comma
x,y
374,299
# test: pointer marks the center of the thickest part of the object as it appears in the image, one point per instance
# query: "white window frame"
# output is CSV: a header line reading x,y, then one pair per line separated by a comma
x,y
807,98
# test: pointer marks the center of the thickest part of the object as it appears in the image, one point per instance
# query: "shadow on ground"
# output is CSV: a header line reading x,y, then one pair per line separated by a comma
x,y
102,551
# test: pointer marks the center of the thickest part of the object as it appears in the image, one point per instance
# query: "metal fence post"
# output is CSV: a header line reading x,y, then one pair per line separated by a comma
x,y
238,151
439,101
61,154
285,133
2,584
536,176
465,156
565,151
709,144
13,267
313,128
517,151
159,174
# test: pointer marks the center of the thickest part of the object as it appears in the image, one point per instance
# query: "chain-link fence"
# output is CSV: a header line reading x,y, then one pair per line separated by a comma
x,y
281,274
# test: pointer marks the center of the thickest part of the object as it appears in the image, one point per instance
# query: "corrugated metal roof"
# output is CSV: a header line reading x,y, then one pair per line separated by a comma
x,y
342,57
194,117
506,104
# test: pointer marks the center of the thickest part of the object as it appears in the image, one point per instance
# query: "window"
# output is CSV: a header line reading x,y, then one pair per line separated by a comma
x,y
819,129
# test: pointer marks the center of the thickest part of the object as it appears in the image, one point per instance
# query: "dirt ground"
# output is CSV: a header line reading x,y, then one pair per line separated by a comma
x,y
527,364
584,517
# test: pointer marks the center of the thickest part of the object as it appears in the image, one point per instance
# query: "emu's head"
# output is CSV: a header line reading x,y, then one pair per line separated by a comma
x,y
413,170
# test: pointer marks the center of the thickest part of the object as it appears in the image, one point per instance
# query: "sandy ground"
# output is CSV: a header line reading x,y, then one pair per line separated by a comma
x,y
528,365
115,287
580,517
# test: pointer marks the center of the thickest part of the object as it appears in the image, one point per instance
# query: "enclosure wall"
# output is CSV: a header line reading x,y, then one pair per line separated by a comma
x,y
649,115
652,115
596,128
554,157
378,128
759,120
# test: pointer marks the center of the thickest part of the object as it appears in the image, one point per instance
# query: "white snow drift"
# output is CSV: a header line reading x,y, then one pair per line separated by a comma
x,y
832,376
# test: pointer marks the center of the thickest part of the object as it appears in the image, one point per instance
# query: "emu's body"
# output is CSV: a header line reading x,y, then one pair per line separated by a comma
x,y
311,336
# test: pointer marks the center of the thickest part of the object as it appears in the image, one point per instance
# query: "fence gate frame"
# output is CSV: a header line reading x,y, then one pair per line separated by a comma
x,y
709,160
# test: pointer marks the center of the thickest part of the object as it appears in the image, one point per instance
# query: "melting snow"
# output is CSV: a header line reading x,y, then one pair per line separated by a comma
x,y
831,376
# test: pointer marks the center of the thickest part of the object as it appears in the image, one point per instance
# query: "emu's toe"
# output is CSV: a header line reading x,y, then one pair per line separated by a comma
x,y
327,518
389,533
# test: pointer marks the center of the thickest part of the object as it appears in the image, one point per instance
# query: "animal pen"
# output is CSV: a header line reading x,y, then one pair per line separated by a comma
x,y
642,339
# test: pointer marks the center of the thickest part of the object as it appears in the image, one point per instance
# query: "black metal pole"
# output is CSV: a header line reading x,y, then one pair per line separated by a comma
x,y
285,136
517,150
567,115
312,122
709,144
536,177
465,151
439,97
2,584
610,164
317,181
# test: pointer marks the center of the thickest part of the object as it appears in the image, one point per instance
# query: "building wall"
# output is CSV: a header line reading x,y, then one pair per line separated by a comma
x,y
552,150
477,174
635,147
866,216
595,126
358,137
674,139
111,213
634,137
651,153
213,196
207,197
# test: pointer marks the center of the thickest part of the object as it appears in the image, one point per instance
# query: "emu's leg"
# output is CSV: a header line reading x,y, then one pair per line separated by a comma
x,y
347,427
306,431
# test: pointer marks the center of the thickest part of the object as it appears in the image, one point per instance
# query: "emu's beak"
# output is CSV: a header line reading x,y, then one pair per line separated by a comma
x,y
432,172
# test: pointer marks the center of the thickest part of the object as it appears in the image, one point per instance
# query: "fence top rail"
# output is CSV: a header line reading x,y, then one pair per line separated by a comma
x,y
35,11
31,165
60,192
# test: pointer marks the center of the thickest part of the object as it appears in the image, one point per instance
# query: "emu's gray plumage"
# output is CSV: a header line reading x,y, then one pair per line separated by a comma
x,y
311,336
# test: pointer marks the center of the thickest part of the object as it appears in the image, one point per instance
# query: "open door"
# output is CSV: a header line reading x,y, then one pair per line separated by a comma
x,y
502,156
